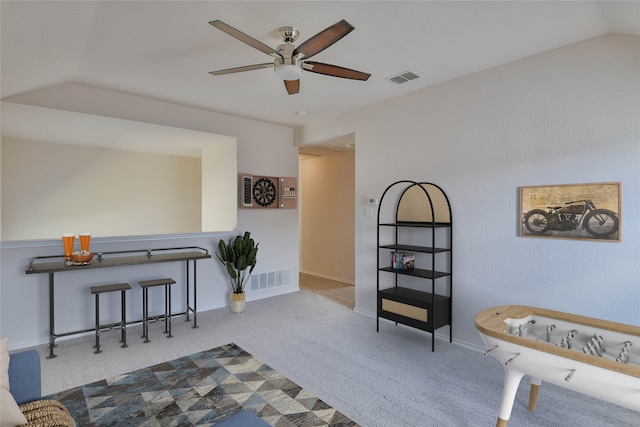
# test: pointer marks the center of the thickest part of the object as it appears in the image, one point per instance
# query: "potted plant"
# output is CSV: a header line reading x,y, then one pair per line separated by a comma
x,y
239,259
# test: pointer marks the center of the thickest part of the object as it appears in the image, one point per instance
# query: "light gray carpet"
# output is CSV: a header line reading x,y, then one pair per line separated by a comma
x,y
386,379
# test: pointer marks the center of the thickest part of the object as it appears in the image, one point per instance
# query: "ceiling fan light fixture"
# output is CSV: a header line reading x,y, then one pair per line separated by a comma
x,y
288,71
289,60
288,34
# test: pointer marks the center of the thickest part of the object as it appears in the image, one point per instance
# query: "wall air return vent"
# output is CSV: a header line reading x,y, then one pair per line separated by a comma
x,y
403,77
270,280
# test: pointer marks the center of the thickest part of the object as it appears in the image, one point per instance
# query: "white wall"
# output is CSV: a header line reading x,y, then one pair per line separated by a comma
x,y
262,149
565,116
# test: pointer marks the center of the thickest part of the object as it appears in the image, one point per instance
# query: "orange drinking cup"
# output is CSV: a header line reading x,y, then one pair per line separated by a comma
x,y
85,238
68,240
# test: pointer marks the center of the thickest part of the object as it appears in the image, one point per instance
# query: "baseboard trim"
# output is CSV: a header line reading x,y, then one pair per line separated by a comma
x,y
325,276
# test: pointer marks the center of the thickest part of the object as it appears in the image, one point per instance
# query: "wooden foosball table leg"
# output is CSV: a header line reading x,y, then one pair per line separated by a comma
x,y
533,393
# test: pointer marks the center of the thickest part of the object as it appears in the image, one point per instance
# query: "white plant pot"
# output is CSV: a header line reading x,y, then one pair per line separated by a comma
x,y
238,302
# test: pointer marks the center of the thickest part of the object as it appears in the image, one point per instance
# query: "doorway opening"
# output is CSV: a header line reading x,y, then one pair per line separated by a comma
x,y
327,220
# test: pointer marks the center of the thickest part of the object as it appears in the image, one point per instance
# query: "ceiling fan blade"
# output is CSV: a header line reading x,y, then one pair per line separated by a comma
x,y
323,39
293,86
335,71
245,38
240,69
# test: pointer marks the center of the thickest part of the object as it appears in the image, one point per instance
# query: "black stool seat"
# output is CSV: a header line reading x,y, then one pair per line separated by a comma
x,y
97,290
156,282
110,288
145,285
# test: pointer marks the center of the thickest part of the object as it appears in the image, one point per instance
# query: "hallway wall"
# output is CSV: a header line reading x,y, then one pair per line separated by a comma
x,y
327,203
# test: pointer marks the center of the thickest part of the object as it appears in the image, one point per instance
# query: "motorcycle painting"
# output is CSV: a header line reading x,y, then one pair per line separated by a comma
x,y
576,211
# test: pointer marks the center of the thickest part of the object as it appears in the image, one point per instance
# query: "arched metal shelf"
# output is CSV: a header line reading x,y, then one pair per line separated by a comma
x,y
421,212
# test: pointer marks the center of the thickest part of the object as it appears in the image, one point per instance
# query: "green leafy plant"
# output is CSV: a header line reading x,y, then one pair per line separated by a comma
x,y
239,258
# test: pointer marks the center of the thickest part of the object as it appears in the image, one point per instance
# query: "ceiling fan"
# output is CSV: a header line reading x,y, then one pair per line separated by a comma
x,y
289,60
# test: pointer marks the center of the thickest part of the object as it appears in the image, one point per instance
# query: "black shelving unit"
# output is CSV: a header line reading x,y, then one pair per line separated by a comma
x,y
422,296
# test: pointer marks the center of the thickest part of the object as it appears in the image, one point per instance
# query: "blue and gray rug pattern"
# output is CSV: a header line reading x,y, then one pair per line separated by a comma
x,y
198,390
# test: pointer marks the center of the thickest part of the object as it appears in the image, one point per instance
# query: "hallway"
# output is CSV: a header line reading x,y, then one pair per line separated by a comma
x,y
340,292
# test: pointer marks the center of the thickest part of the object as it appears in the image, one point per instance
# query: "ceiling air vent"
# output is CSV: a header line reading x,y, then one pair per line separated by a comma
x,y
403,77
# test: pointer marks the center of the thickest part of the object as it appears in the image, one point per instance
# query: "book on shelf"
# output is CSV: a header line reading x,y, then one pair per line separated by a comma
x,y
402,260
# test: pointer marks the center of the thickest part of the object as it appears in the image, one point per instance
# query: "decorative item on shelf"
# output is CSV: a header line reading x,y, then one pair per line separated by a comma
x,y
68,241
401,260
81,257
239,259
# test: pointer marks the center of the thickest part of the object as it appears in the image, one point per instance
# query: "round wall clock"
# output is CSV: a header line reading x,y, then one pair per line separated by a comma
x,y
264,192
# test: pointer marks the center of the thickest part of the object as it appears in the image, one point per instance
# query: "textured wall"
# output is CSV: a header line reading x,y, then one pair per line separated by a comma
x,y
569,115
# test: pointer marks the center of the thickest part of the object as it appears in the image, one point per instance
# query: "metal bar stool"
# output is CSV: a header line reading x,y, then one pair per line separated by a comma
x,y
146,284
97,290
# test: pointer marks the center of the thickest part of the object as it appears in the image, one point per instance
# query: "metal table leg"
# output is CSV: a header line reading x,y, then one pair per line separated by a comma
x,y
145,315
168,310
195,299
187,287
52,333
123,308
97,346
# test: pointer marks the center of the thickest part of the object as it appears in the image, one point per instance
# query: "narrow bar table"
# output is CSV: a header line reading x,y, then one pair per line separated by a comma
x,y
118,259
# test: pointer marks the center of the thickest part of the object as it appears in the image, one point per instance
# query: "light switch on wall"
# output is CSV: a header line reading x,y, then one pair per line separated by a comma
x,y
368,211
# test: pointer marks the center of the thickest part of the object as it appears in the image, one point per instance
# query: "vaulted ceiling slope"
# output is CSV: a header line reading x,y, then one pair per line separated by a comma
x,y
165,49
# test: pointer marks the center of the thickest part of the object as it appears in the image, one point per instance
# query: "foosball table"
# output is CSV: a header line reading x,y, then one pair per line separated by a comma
x,y
596,357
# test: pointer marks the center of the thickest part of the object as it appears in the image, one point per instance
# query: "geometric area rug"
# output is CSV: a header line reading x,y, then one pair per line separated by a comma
x,y
198,390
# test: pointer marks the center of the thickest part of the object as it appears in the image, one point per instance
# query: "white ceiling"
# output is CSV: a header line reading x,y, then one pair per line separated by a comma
x,y
165,49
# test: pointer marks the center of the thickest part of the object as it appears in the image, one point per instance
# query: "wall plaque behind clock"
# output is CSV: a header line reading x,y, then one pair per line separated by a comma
x,y
268,192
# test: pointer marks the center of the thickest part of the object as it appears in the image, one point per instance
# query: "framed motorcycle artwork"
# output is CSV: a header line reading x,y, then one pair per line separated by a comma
x,y
572,211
